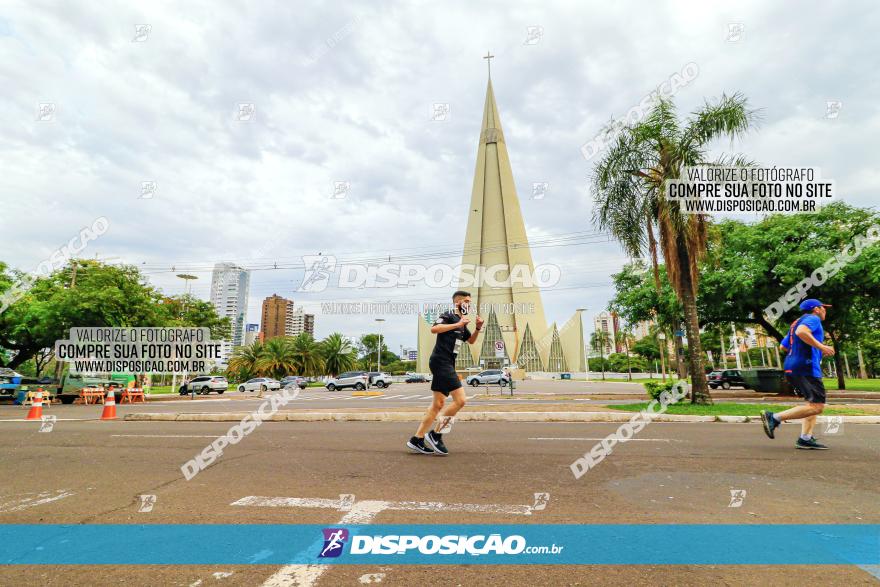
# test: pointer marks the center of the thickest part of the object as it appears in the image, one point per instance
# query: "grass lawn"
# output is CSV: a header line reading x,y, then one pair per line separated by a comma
x,y
853,384
160,389
599,379
731,409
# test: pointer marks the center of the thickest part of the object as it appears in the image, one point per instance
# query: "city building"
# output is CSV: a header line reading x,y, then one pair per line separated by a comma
x,y
251,334
408,354
282,318
277,317
642,329
302,322
230,285
516,333
608,323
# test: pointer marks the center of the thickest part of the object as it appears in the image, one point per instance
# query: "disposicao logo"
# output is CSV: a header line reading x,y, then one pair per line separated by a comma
x,y
334,541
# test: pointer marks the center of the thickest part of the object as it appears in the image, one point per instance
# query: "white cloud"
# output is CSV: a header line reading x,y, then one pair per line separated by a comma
x,y
344,94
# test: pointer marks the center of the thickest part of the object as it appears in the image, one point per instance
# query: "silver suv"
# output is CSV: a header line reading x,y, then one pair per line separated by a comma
x,y
355,379
496,376
380,380
205,384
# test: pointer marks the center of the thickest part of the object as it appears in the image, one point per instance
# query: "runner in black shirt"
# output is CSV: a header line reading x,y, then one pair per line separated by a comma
x,y
452,330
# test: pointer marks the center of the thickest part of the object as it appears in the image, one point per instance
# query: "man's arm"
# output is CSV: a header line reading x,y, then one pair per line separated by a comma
x,y
439,327
805,335
476,333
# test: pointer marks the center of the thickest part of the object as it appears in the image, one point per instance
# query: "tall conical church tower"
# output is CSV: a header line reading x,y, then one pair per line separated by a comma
x,y
496,236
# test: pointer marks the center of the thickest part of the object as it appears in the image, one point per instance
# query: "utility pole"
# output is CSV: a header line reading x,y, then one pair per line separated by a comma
x,y
379,351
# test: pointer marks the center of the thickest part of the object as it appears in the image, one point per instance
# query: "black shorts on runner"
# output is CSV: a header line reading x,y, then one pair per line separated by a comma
x,y
808,387
444,378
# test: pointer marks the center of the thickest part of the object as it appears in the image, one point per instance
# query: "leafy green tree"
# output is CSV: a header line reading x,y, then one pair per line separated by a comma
x,y
338,353
647,347
187,310
367,351
630,191
84,293
751,266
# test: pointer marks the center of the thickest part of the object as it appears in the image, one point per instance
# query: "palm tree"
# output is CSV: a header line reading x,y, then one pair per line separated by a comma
x,y
306,354
599,340
278,358
339,354
625,339
244,360
630,193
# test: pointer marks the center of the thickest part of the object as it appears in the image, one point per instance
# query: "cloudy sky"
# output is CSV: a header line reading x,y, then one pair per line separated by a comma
x,y
346,93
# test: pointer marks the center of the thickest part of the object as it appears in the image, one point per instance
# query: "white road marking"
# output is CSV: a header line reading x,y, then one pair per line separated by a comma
x,y
393,396
307,575
430,506
57,420
164,435
29,502
630,440
361,512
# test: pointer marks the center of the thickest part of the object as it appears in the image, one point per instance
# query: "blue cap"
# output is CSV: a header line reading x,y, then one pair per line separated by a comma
x,y
811,304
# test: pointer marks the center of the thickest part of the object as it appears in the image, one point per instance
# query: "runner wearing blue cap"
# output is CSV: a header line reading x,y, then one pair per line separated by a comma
x,y
804,371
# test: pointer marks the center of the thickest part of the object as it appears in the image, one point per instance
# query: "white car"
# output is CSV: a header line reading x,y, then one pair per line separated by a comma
x,y
355,379
490,376
205,384
259,384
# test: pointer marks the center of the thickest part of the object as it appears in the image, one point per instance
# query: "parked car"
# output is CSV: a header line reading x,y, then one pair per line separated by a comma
x,y
726,379
294,380
380,380
489,376
416,378
204,385
259,383
355,379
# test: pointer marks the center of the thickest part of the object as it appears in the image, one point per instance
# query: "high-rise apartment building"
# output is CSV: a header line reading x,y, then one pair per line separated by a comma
x,y
230,285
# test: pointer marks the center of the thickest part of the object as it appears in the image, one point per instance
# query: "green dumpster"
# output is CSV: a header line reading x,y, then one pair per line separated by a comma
x,y
766,380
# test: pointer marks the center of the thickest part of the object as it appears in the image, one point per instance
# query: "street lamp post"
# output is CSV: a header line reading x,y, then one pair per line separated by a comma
x,y
379,350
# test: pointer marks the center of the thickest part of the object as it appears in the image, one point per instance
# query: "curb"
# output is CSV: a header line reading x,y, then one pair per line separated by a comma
x,y
465,417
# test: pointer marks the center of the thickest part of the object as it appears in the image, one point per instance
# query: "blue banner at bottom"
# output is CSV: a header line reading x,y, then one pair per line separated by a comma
x,y
419,544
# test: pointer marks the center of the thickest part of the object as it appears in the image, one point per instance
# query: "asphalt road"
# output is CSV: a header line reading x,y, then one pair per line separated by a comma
x,y
94,472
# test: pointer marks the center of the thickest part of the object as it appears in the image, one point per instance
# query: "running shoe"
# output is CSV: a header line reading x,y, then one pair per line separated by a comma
x,y
810,444
435,441
418,445
770,423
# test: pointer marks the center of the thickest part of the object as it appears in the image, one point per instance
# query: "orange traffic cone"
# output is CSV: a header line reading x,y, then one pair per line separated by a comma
x,y
36,411
109,412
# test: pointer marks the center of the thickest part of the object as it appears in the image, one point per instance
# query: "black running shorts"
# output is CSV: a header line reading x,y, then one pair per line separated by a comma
x,y
810,388
445,379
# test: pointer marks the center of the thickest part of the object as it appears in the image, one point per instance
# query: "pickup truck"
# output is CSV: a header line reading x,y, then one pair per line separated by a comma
x,y
72,384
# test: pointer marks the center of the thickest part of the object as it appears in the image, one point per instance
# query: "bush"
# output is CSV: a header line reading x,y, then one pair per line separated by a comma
x,y
655,388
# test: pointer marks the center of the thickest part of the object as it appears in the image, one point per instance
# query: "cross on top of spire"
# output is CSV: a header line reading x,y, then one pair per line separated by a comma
x,y
488,57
